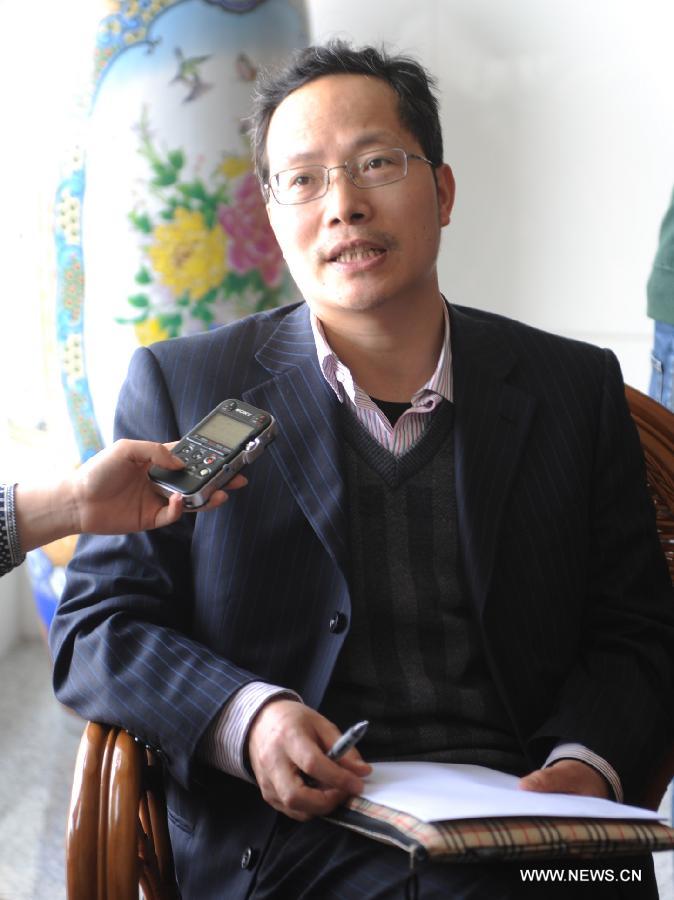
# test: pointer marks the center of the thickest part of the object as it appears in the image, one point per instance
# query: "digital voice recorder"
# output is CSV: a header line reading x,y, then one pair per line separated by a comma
x,y
231,436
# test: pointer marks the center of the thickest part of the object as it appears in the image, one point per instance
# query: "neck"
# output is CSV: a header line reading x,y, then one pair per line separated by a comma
x,y
389,356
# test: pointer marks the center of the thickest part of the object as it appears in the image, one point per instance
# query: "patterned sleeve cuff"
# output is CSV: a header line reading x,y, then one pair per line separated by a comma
x,y
10,548
224,743
581,753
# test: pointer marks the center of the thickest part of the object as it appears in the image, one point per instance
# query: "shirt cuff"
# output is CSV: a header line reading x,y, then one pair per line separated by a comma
x,y
224,742
582,754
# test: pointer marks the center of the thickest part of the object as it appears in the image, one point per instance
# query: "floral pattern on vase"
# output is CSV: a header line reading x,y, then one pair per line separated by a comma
x,y
208,253
159,223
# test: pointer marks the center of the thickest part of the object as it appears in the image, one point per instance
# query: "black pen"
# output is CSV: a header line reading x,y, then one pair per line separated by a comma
x,y
341,746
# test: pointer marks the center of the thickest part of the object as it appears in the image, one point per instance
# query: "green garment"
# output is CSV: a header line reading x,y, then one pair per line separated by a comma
x,y
660,290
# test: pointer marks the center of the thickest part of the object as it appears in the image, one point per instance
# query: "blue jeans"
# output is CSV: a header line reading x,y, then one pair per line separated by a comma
x,y
661,387
662,359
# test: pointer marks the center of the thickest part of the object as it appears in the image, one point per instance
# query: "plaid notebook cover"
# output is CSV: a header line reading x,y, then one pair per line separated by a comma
x,y
503,838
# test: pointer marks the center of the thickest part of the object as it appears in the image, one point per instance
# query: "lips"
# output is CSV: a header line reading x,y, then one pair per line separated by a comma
x,y
357,254
355,251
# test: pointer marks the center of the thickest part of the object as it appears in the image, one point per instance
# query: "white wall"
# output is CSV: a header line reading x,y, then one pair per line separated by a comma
x,y
558,124
18,616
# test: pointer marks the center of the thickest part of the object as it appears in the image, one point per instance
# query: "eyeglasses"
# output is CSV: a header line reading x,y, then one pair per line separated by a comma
x,y
366,170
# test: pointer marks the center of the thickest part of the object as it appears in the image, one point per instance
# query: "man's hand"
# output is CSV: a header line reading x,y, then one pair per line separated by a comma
x,y
287,739
112,493
567,776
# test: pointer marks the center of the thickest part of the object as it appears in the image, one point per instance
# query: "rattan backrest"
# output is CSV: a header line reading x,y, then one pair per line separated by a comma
x,y
655,424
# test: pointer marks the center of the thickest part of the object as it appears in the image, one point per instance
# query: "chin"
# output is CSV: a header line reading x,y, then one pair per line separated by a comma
x,y
358,303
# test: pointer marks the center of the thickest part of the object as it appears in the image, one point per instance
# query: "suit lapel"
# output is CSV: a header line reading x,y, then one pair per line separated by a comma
x,y
306,449
492,419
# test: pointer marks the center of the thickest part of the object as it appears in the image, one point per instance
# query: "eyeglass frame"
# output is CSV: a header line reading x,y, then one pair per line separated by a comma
x,y
268,189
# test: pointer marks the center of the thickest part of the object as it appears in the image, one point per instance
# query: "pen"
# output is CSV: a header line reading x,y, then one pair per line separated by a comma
x,y
341,746
348,740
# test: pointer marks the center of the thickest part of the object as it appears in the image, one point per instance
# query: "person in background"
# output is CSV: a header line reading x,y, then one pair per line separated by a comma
x,y
109,494
660,292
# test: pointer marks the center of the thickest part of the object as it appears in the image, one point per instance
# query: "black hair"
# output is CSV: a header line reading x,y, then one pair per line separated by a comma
x,y
417,103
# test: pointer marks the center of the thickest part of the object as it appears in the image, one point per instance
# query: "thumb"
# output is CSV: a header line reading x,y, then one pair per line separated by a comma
x,y
542,780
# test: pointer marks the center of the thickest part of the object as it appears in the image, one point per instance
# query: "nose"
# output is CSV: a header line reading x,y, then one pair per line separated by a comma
x,y
344,202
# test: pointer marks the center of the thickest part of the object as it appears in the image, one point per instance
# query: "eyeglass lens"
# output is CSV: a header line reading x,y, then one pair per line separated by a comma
x,y
371,169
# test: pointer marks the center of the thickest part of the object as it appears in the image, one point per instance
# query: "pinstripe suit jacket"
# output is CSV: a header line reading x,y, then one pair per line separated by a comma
x,y
563,568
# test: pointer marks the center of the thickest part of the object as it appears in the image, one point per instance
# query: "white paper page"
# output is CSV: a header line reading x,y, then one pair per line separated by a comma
x,y
436,791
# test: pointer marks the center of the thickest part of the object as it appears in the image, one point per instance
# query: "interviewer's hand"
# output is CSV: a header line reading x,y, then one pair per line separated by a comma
x,y
110,494
286,739
113,494
567,776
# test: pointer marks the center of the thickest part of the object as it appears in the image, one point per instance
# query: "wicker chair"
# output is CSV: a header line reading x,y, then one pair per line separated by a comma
x,y
118,838
656,431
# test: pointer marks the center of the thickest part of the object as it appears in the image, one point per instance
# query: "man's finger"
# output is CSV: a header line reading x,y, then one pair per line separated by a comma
x,y
541,780
327,774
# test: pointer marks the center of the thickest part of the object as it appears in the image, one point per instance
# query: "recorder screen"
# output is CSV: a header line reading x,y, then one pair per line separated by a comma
x,y
225,430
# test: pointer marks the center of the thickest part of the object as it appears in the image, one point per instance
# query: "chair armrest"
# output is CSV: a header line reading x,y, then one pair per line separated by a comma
x,y
117,836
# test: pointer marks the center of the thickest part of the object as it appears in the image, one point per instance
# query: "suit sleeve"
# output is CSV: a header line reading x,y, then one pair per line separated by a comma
x,y
119,637
617,698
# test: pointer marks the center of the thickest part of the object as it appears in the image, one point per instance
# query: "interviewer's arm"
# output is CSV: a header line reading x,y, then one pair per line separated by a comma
x,y
110,494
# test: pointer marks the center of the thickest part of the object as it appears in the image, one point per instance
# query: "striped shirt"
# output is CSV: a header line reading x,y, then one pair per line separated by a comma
x,y
410,426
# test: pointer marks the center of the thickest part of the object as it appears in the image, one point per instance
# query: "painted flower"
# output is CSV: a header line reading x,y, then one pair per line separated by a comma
x,y
234,166
188,257
252,244
149,331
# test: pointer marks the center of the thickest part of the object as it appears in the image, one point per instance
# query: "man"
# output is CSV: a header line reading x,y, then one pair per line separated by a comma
x,y
481,579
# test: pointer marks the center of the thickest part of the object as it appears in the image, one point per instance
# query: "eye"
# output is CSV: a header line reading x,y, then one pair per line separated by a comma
x,y
301,179
376,162
298,181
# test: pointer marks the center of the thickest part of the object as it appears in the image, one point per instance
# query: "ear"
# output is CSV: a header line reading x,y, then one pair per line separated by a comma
x,y
444,179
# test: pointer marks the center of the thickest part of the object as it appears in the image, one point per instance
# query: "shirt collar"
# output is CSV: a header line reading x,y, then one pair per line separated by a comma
x,y
341,381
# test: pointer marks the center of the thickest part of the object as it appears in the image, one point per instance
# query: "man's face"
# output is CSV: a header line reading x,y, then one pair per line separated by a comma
x,y
356,249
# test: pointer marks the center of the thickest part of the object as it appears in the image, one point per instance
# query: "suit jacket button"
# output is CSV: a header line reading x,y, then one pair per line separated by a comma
x,y
248,858
338,622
